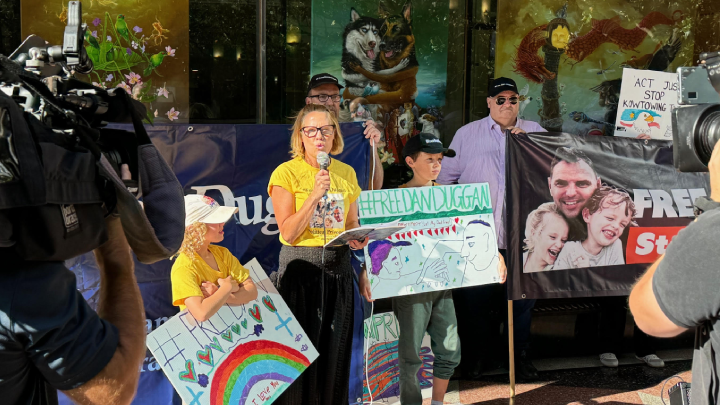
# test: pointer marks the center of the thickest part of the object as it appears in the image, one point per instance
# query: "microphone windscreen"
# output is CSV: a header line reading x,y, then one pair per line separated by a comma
x,y
323,160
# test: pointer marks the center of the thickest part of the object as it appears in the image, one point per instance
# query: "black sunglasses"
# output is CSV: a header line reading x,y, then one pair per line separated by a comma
x,y
501,100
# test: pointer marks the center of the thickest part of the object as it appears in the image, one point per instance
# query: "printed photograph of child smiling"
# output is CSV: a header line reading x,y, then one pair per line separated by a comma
x,y
607,214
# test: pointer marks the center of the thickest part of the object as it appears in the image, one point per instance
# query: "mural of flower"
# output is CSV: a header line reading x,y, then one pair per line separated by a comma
x,y
134,45
142,48
109,77
133,78
109,38
125,87
96,21
96,84
170,51
137,29
129,51
94,33
162,91
172,114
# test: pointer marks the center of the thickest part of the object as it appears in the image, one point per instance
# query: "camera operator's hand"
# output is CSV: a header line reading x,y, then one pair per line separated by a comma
x,y
120,303
714,167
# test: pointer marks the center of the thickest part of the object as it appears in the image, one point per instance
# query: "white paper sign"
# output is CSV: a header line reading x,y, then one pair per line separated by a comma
x,y
646,101
246,354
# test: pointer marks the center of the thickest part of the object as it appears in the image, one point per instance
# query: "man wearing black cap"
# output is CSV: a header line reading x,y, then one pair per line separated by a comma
x,y
480,147
324,89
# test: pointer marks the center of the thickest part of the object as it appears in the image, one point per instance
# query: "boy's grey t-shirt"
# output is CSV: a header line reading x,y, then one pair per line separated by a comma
x,y
687,288
609,256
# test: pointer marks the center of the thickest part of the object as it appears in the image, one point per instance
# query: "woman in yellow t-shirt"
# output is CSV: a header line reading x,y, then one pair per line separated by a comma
x,y
200,265
313,206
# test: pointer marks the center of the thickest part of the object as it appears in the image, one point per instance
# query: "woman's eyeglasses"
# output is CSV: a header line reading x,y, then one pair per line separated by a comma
x,y
501,100
325,130
324,97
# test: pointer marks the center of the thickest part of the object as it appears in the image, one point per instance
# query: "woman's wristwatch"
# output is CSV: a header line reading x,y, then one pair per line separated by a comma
x,y
704,204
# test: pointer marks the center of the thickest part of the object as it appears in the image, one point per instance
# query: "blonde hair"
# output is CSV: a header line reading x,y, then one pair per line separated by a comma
x,y
194,238
297,149
534,223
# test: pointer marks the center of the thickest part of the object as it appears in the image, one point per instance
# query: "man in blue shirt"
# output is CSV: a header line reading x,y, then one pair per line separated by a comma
x,y
480,148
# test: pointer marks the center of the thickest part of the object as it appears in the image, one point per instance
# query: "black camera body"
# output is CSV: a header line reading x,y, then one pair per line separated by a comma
x,y
62,171
696,121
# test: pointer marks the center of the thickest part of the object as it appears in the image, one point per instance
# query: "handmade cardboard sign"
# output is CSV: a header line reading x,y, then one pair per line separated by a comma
x,y
646,101
246,354
381,340
449,239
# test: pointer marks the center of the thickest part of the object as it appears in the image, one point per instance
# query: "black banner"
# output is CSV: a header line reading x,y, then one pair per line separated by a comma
x,y
595,222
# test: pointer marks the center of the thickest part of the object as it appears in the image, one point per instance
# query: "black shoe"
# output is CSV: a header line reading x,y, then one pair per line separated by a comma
x,y
475,372
524,369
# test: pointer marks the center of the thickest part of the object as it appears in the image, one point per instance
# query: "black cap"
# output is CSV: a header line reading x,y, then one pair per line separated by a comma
x,y
428,143
502,84
323,78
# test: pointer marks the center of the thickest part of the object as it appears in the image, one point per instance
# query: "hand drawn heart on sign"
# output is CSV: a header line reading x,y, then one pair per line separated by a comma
x,y
244,323
227,335
255,313
205,356
269,303
189,373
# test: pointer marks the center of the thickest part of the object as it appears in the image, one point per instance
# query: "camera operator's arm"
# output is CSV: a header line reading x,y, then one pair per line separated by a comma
x,y
645,308
680,291
120,304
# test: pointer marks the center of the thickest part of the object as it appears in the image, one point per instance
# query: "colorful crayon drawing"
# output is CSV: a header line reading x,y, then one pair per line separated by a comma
x,y
246,354
449,239
381,334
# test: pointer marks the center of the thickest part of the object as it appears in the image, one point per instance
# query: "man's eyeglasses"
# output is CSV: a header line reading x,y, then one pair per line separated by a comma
x,y
323,98
326,131
501,100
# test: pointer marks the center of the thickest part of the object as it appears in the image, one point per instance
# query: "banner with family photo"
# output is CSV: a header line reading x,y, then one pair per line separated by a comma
x,y
448,240
587,215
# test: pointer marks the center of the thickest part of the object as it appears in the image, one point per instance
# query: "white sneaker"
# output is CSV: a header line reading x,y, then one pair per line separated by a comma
x,y
608,360
652,361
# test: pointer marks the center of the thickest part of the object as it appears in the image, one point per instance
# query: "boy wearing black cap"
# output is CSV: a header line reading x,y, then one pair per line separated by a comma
x,y
433,312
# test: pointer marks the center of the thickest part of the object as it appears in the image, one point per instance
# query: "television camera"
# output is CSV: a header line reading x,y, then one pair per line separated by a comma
x,y
696,121
62,169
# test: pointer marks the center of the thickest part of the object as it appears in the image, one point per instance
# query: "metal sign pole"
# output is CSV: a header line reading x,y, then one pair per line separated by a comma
x,y
511,345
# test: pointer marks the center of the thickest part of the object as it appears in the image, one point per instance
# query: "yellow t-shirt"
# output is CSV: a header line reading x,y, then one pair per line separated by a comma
x,y
298,177
187,275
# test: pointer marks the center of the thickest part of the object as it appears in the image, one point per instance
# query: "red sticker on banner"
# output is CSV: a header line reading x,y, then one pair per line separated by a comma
x,y
645,245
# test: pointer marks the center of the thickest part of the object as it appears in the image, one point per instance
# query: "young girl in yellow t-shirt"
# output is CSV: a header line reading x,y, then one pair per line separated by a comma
x,y
200,265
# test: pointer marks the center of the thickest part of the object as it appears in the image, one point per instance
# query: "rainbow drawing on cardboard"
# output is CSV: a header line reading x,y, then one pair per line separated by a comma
x,y
246,354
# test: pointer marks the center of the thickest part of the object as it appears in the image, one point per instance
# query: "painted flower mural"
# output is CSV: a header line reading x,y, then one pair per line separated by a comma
x,y
119,57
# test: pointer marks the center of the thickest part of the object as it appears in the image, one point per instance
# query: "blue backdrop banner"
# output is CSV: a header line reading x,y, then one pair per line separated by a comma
x,y
232,164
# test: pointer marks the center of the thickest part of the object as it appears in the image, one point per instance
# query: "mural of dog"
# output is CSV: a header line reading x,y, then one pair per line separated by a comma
x,y
360,45
396,49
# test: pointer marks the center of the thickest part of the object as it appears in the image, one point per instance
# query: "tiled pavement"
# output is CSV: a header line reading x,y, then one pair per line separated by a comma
x,y
628,384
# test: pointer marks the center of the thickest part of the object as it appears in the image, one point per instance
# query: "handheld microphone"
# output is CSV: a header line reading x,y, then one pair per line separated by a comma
x,y
324,161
